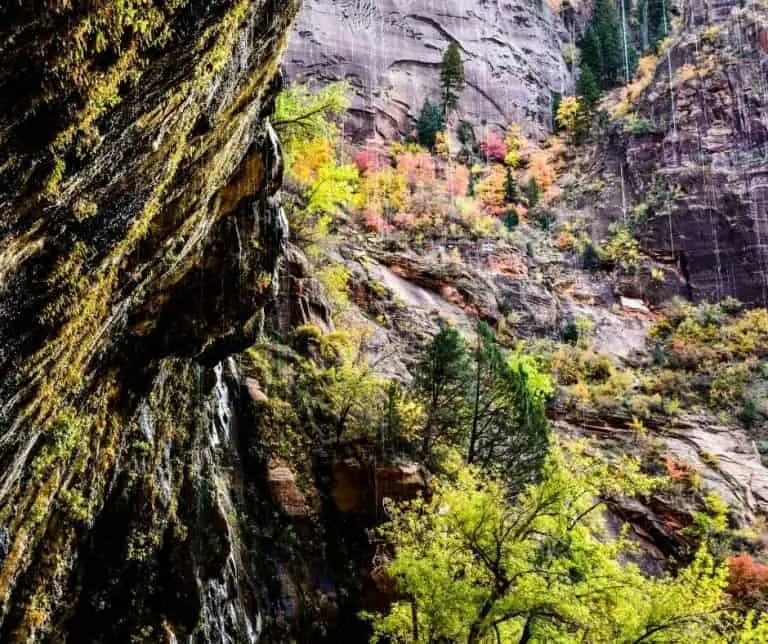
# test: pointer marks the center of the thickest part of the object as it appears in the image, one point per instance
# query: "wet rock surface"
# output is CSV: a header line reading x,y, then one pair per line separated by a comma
x,y
696,156
140,238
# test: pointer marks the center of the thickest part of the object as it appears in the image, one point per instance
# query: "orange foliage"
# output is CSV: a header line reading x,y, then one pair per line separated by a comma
x,y
747,578
492,190
417,168
309,157
541,167
457,179
678,469
565,241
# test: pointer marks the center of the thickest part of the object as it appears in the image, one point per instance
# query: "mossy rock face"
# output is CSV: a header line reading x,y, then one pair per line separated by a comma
x,y
140,221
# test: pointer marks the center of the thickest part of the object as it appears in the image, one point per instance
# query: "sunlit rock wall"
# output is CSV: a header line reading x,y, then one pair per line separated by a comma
x,y
390,50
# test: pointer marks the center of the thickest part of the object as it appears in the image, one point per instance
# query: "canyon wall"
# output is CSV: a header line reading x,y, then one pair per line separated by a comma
x,y
694,149
140,235
390,51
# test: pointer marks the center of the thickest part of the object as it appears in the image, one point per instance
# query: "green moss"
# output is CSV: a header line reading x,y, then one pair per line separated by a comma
x,y
84,209
75,506
59,441
53,182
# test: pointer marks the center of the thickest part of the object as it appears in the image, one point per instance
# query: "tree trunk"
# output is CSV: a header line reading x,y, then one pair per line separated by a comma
x,y
475,414
527,631
475,630
414,620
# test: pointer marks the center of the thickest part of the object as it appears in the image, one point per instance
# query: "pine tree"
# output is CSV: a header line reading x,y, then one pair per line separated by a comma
x,y
653,19
591,57
602,48
441,381
608,29
429,123
452,77
512,219
587,87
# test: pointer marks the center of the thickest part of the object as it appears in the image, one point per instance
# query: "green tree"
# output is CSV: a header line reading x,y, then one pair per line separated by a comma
x,y
508,411
309,124
452,77
474,566
653,19
441,380
511,188
586,86
608,29
602,50
429,123
302,115
532,192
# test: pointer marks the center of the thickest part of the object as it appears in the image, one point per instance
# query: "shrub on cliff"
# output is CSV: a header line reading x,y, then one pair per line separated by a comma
x,y
429,123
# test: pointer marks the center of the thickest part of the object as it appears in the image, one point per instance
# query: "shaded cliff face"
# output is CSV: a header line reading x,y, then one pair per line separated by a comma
x,y
390,50
696,153
139,222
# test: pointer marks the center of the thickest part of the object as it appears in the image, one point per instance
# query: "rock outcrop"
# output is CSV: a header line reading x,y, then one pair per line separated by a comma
x,y
390,50
139,241
694,153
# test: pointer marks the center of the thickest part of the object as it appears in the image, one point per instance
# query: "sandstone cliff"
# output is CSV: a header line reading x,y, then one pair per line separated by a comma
x,y
141,228
693,151
390,50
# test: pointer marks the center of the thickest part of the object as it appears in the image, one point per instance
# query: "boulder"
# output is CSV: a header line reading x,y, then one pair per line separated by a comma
x,y
359,487
285,491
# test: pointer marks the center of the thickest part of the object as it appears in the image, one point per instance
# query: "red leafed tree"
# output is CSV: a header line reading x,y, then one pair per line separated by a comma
x,y
493,147
368,161
747,579
404,220
375,222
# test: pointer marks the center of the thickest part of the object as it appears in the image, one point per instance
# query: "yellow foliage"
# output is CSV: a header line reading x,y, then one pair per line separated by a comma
x,y
646,68
517,146
383,192
567,113
442,149
684,74
307,157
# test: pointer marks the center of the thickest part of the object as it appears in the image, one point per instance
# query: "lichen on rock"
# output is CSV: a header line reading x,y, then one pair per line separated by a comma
x,y
141,220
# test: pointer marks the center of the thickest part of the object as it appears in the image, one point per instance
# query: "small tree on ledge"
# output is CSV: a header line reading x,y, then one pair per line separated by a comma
x,y
429,123
452,77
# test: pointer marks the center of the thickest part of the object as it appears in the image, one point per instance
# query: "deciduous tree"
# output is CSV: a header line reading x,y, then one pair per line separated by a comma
x,y
474,566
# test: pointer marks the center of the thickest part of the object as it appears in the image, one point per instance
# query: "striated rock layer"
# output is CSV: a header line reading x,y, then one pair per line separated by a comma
x,y
140,232
390,50
695,153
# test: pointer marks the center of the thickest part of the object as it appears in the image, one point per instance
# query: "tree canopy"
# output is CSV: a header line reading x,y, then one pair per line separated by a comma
x,y
309,124
473,565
